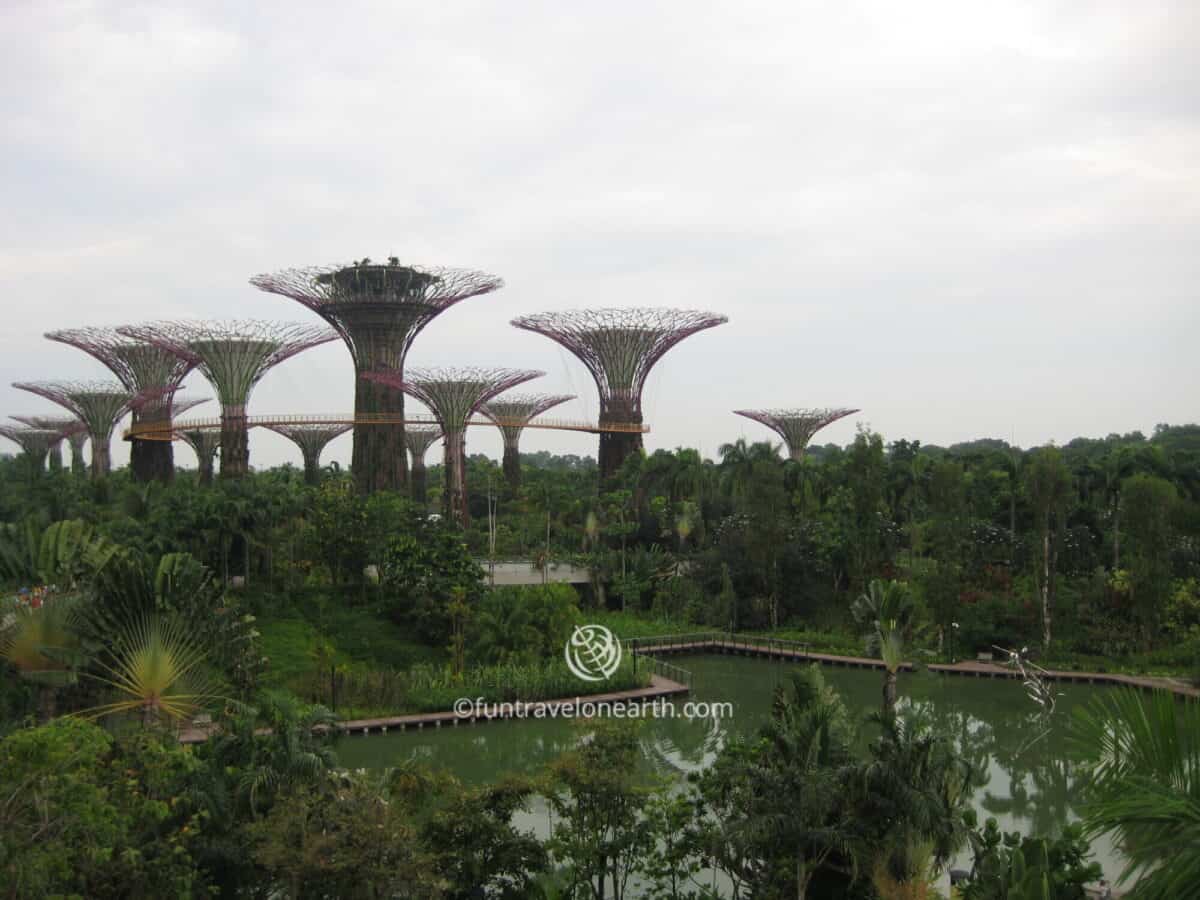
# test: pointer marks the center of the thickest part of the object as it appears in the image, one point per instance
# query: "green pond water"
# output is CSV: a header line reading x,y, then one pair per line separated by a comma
x,y
1025,779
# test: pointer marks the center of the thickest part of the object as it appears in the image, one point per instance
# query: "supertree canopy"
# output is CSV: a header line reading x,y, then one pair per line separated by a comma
x,y
35,442
452,395
419,439
68,427
98,404
234,356
795,426
142,367
511,414
205,442
378,309
619,347
311,439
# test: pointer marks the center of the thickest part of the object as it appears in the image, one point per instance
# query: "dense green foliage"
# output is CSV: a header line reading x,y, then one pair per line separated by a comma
x,y
269,603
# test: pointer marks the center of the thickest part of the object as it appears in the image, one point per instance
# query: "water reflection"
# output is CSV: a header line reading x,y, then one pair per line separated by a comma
x,y
1021,773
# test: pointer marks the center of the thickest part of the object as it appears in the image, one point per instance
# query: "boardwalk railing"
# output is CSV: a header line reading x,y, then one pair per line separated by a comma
x,y
718,640
665,669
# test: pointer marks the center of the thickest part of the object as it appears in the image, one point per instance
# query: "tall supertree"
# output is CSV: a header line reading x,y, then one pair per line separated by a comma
x,y
419,439
312,440
795,426
452,395
144,369
35,442
205,442
378,309
512,415
619,347
233,356
68,427
98,404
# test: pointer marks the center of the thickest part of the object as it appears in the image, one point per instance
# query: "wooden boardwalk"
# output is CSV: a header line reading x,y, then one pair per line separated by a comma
x,y
660,688
781,650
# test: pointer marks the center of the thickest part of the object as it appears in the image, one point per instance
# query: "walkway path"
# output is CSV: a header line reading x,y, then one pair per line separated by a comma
x,y
660,688
789,650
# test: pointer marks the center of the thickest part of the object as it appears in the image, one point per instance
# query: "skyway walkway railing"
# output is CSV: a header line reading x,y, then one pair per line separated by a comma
x,y
156,430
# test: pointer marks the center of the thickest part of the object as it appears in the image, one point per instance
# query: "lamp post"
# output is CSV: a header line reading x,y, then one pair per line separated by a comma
x,y
953,632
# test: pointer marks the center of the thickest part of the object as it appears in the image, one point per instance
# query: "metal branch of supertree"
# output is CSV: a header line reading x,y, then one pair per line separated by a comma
x,y
64,425
140,366
452,395
619,347
69,427
378,309
796,426
419,439
35,442
99,404
234,356
312,440
179,407
511,414
205,442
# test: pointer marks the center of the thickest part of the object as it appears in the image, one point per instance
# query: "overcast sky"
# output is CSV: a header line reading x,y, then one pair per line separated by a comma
x,y
968,219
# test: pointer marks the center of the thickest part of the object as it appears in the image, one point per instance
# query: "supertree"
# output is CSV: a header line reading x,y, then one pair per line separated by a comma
x,y
141,367
312,440
68,427
419,439
452,395
234,356
511,415
205,442
795,426
619,347
378,309
98,404
35,442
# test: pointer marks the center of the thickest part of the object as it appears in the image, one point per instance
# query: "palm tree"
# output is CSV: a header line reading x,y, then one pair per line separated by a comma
x,y
278,742
43,645
1145,786
917,785
740,461
888,612
799,785
157,670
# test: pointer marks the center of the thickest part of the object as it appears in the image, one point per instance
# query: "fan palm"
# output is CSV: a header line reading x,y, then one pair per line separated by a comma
x,y
888,611
157,670
42,645
1145,786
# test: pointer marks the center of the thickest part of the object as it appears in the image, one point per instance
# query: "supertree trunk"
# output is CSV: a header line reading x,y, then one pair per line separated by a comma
x,y
151,460
78,462
380,460
235,442
418,484
617,446
101,457
206,470
312,466
56,457
512,465
454,498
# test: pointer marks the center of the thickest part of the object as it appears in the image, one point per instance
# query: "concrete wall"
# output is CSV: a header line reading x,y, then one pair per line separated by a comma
x,y
515,573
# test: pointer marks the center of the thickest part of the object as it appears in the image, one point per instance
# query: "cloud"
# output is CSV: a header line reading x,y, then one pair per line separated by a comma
x,y
966,218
